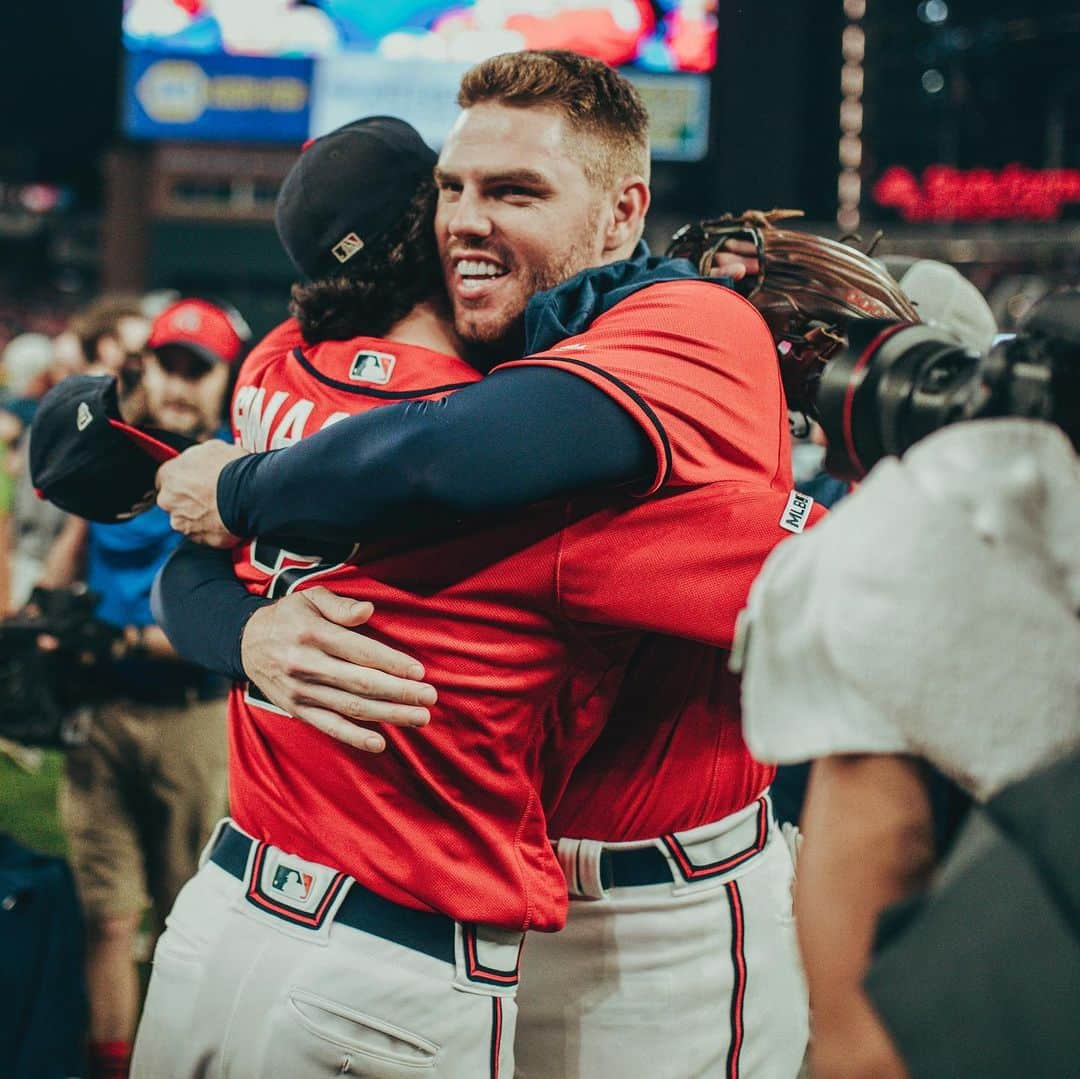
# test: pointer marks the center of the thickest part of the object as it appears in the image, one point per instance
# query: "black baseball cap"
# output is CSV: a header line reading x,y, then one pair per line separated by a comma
x,y
347,189
86,460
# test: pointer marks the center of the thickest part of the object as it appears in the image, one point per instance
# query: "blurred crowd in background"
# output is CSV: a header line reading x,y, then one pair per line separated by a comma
x,y
95,340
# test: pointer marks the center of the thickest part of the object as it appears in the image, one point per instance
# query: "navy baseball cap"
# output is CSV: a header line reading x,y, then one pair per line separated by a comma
x,y
86,460
348,188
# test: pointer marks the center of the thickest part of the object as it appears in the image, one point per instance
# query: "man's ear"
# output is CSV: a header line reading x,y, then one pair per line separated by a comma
x,y
627,218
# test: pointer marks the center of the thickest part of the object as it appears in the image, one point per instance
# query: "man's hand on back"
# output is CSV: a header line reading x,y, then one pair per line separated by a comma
x,y
304,654
187,491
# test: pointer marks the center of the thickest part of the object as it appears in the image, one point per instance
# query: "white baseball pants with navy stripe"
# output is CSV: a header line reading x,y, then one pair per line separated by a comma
x,y
677,980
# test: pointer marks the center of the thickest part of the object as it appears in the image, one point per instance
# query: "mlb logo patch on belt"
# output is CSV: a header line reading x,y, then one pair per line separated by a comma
x,y
300,892
292,882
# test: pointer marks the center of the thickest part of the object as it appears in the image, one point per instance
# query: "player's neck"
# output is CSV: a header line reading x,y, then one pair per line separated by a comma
x,y
429,326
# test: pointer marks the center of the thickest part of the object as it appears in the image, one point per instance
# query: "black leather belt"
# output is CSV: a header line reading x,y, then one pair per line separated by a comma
x,y
628,867
423,931
634,866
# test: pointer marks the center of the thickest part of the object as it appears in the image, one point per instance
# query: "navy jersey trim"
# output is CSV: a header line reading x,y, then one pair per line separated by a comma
x,y
384,395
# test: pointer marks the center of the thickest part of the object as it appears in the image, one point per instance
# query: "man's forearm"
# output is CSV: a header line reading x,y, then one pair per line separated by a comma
x,y
202,608
508,441
869,843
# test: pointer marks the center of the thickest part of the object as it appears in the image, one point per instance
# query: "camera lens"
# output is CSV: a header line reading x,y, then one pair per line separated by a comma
x,y
894,383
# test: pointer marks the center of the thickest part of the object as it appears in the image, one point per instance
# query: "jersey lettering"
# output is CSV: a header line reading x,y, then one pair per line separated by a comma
x,y
254,418
291,428
285,570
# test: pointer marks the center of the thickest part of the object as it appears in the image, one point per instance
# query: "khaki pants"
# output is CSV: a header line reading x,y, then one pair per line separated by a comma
x,y
139,800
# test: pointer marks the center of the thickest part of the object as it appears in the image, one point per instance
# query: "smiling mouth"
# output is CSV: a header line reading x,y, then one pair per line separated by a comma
x,y
475,277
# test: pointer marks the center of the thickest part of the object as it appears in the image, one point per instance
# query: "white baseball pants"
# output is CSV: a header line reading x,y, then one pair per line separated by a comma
x,y
692,975
260,975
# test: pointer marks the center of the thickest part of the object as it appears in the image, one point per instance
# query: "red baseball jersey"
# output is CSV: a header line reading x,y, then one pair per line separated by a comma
x,y
696,366
449,818
671,755
486,613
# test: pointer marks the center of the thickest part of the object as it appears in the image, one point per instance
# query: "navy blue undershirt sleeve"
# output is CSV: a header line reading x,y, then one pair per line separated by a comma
x,y
516,437
203,608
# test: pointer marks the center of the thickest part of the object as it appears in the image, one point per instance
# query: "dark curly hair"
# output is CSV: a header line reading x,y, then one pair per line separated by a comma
x,y
383,283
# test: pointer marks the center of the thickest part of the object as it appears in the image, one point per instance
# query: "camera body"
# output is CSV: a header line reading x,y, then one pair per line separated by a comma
x,y
897,382
47,693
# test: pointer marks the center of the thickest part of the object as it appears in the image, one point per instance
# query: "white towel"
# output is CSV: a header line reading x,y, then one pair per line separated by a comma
x,y
933,613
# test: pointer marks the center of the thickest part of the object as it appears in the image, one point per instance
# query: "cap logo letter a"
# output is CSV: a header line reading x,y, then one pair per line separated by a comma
x,y
83,416
347,246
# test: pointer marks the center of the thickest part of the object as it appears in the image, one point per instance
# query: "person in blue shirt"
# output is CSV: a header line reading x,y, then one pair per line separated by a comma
x,y
139,799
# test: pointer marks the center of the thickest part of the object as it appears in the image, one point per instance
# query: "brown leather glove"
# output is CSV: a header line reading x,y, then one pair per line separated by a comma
x,y
808,289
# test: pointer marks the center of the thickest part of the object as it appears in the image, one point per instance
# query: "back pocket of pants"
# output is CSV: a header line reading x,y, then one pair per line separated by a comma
x,y
331,1038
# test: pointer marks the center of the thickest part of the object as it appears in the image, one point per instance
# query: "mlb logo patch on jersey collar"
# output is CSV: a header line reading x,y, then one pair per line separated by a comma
x,y
374,367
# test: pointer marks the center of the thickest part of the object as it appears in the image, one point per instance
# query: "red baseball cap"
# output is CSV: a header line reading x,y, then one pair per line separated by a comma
x,y
215,333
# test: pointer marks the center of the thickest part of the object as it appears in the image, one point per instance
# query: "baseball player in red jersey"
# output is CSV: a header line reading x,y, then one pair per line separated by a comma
x,y
682,439
309,940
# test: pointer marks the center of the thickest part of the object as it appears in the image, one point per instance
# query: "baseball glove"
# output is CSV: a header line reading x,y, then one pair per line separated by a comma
x,y
808,290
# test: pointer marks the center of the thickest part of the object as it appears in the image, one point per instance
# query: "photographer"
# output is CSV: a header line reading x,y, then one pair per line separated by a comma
x,y
938,609
946,301
140,797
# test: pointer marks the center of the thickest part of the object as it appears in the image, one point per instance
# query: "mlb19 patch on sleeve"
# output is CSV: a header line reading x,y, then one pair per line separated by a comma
x,y
796,512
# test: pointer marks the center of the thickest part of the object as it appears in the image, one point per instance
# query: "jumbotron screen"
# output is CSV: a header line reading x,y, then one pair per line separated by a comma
x,y
282,70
